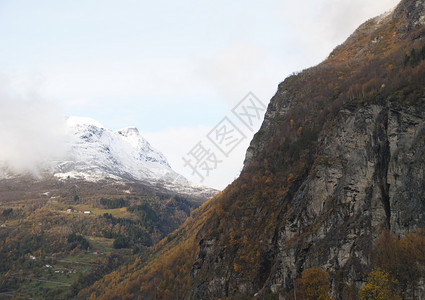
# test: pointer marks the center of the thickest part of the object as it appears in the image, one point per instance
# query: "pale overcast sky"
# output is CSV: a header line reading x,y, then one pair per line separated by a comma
x,y
174,69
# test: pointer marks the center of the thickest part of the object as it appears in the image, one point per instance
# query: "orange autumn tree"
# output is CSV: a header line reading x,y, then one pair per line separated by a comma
x,y
402,258
379,286
313,284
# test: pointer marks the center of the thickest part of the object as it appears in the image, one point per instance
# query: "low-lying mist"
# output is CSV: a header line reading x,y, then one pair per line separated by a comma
x,y
32,131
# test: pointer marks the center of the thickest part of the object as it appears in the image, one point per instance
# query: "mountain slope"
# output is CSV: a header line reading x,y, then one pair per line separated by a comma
x,y
339,158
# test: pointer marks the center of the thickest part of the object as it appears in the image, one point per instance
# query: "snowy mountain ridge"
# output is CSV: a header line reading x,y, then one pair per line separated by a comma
x,y
96,153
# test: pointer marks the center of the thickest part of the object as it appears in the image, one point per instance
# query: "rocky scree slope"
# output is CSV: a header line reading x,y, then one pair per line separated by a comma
x,y
339,158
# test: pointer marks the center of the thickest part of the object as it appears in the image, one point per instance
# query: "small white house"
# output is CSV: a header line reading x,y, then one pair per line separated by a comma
x,y
87,212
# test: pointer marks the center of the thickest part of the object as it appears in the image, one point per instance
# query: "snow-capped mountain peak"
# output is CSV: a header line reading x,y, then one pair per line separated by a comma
x,y
74,121
132,136
96,152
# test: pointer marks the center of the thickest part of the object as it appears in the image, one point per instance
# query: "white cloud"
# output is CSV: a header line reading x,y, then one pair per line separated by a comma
x,y
31,130
232,70
318,27
241,68
91,82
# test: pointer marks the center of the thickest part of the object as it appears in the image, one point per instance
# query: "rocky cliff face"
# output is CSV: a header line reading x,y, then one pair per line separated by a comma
x,y
367,175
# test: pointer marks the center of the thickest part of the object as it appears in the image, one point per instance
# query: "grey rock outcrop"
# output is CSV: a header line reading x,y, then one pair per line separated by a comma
x,y
369,176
